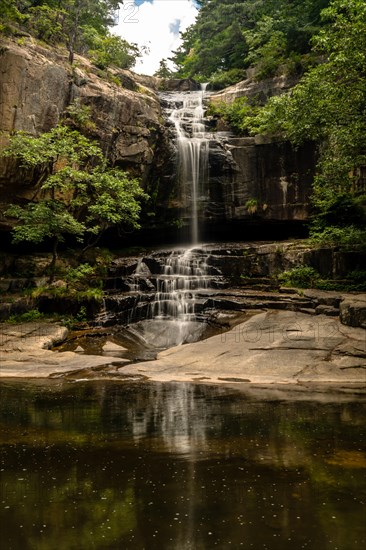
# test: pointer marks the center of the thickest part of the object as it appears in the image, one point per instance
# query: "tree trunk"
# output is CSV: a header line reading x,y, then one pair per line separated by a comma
x,y
52,266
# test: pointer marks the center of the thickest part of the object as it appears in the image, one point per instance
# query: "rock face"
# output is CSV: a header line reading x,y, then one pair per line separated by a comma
x,y
353,312
37,86
272,177
275,176
261,90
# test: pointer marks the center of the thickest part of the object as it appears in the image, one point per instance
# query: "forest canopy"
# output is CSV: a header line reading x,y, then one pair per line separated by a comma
x,y
83,26
230,36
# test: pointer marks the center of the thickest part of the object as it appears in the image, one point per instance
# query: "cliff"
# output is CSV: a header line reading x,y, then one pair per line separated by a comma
x,y
37,85
260,90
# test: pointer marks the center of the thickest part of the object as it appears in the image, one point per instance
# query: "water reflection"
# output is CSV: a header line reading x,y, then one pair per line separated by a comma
x,y
113,466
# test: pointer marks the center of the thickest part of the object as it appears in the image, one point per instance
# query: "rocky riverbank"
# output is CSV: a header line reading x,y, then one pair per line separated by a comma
x,y
271,347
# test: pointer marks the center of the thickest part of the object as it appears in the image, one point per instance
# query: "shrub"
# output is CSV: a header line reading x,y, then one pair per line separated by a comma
x,y
27,317
222,79
344,237
302,277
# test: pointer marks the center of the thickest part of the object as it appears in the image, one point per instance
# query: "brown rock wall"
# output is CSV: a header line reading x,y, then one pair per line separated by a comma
x,y
37,85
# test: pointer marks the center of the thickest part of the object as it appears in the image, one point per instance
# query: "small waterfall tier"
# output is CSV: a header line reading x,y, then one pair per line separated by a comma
x,y
185,275
165,296
180,291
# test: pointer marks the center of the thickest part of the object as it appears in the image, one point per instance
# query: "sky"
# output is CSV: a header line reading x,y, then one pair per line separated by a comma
x,y
155,24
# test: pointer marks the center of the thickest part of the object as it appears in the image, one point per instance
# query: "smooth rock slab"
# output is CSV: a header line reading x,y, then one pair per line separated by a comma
x,y
25,352
274,347
279,347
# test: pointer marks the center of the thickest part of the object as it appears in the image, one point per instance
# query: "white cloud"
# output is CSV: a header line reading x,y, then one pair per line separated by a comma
x,y
155,24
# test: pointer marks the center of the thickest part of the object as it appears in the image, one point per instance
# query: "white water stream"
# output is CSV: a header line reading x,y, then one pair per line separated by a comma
x,y
173,318
193,148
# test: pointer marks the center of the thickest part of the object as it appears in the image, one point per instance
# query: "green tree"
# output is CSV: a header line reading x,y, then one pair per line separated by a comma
x,y
163,70
83,26
113,50
78,194
47,23
234,35
9,13
328,106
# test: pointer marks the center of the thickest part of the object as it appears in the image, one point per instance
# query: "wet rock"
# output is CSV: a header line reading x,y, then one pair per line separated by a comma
x,y
353,311
327,310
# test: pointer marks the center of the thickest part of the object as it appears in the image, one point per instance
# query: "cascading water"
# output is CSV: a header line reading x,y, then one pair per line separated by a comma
x,y
186,274
192,147
172,314
169,299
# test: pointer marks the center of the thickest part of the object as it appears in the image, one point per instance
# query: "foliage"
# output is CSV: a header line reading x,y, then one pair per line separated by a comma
x,y
113,50
79,194
234,35
302,277
81,25
343,237
27,317
252,206
47,23
9,14
79,115
42,220
328,106
80,277
86,294
222,79
163,70
308,277
238,114
267,47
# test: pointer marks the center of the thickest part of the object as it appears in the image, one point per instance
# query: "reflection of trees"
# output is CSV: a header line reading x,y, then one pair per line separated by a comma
x,y
170,464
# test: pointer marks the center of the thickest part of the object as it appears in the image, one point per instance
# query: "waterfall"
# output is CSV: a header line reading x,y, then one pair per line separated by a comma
x,y
193,148
176,301
173,313
186,274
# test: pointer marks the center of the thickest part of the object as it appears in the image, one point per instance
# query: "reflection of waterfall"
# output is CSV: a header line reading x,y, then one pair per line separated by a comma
x,y
177,416
193,147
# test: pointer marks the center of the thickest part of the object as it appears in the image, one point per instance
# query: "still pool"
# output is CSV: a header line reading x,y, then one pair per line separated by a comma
x,y
105,465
